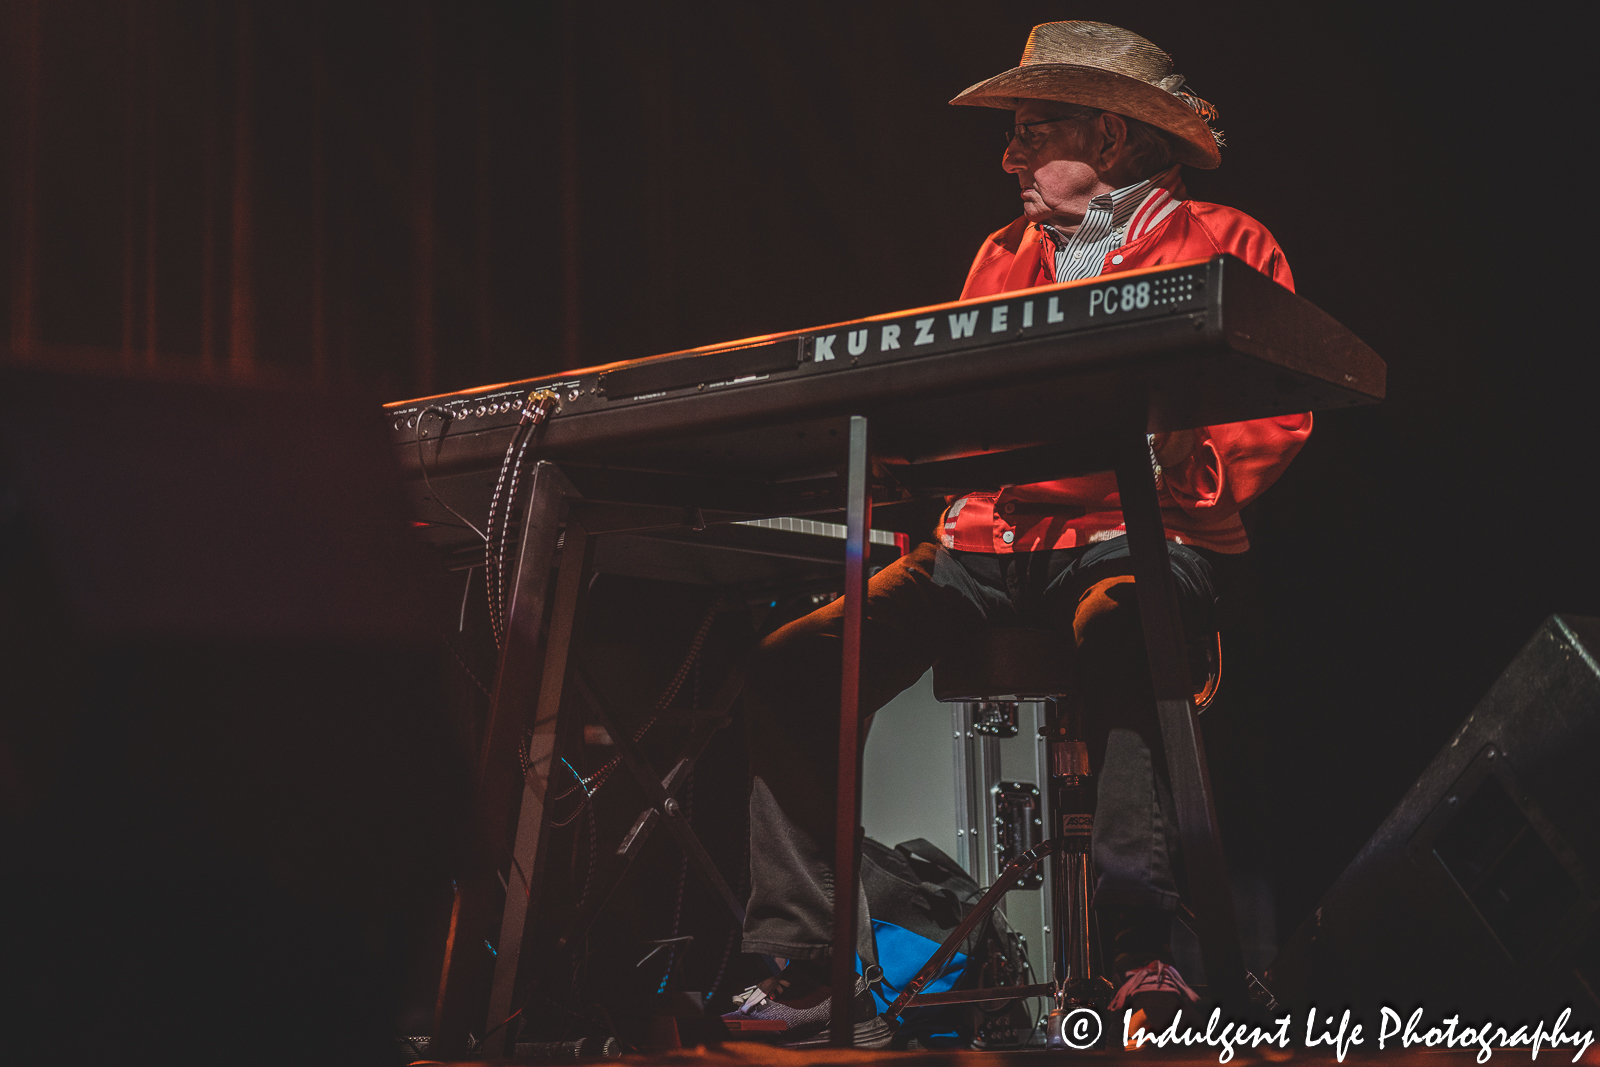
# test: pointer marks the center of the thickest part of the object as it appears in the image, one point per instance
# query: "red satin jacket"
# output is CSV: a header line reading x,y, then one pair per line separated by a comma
x,y
1229,466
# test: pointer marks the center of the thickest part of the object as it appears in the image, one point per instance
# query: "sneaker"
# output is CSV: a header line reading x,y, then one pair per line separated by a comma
x,y
794,1007
1155,992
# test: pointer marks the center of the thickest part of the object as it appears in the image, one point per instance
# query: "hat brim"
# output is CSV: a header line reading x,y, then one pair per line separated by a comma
x,y
1071,83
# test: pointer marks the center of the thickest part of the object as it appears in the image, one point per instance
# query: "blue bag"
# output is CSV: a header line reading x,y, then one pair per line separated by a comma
x,y
916,895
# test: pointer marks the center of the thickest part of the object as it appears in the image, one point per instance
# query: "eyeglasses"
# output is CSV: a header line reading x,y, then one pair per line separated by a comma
x,y
1030,140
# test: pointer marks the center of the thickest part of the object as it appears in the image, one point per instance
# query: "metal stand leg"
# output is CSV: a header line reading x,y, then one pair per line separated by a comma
x,y
481,895
1180,732
1072,818
527,855
847,835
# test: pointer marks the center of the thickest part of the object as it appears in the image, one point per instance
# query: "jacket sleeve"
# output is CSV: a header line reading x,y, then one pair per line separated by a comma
x,y
1233,464
1237,233
991,267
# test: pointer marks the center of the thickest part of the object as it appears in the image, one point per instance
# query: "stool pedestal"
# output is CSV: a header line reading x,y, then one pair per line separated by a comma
x,y
989,677
1033,665
1071,816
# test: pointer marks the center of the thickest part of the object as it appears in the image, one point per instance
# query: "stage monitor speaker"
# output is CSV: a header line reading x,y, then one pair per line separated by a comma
x,y
1479,892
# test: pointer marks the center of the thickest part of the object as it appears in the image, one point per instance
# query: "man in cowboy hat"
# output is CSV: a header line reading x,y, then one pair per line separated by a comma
x,y
1102,124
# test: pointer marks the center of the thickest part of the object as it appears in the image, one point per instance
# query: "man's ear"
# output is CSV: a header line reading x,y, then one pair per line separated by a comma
x,y
1113,130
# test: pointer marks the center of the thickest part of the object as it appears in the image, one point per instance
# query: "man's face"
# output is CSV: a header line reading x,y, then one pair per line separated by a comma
x,y
1056,179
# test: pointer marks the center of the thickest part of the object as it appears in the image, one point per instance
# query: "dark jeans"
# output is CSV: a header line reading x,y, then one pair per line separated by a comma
x,y
918,608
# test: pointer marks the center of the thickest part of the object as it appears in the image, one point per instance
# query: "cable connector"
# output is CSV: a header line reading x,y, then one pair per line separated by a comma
x,y
540,405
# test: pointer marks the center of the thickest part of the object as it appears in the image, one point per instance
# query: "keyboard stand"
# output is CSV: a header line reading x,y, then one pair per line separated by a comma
x,y
558,527
493,914
1057,381
488,912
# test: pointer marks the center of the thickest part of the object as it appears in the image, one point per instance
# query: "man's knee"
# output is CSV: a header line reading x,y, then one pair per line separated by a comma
x,y
793,655
1108,632
1107,614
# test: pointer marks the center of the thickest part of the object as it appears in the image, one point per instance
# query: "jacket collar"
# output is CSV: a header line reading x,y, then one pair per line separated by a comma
x,y
1166,192
1146,204
1130,212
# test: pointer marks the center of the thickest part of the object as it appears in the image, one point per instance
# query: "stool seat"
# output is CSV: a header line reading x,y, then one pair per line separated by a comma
x,y
1015,663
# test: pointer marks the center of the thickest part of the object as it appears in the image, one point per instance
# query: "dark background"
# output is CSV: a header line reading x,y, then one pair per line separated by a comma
x,y
411,198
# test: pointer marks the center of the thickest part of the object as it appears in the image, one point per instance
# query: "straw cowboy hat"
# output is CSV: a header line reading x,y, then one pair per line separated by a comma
x,y
1108,67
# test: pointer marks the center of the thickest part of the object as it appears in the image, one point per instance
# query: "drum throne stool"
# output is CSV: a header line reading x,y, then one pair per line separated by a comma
x,y
1008,666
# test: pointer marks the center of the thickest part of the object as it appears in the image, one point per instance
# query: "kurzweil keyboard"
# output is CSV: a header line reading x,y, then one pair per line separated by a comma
x,y
1195,343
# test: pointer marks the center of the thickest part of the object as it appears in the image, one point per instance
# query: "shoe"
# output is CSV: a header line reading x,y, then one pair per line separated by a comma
x,y
1155,992
794,1007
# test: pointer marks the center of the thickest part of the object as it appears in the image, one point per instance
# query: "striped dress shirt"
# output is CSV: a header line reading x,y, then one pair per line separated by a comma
x,y
1113,220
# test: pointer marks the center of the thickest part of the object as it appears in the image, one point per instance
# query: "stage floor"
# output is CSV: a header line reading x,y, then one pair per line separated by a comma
x,y
739,1054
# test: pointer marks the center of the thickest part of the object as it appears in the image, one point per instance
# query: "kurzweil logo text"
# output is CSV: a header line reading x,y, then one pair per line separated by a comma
x,y
953,326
